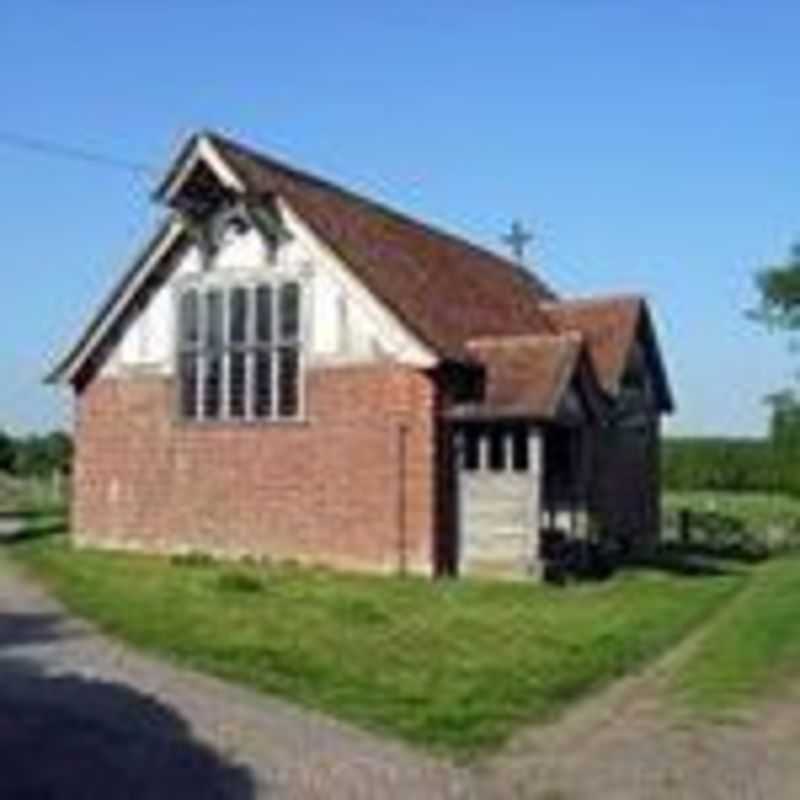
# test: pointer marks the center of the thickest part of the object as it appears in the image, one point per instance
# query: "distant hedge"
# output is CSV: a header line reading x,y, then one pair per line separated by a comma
x,y
734,465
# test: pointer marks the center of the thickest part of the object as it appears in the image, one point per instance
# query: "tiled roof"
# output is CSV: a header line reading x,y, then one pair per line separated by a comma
x,y
608,326
526,376
446,290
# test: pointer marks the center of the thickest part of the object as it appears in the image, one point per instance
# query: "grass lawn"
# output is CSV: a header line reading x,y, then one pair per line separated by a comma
x,y
753,648
452,665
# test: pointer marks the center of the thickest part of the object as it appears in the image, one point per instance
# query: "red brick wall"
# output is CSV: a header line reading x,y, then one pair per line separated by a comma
x,y
330,490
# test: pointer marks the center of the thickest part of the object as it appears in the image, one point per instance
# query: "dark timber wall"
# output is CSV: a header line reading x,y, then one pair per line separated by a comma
x,y
625,486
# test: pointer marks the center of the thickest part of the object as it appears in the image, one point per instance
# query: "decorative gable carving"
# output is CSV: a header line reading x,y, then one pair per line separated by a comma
x,y
214,229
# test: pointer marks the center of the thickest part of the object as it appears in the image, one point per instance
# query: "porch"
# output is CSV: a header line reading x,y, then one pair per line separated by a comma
x,y
518,484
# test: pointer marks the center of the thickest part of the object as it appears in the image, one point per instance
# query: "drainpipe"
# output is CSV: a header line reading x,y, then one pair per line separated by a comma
x,y
402,534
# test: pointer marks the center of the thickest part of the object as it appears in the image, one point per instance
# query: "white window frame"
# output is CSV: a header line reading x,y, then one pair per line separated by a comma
x,y
209,282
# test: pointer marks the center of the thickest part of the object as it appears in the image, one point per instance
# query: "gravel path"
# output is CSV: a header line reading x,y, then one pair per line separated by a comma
x,y
82,717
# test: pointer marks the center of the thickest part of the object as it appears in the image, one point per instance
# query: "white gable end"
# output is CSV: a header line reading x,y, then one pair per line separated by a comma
x,y
349,323
343,322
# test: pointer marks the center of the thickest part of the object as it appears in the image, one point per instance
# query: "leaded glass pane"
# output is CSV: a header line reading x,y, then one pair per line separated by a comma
x,y
288,372
189,319
188,385
237,378
264,314
212,387
289,315
214,333
262,389
237,318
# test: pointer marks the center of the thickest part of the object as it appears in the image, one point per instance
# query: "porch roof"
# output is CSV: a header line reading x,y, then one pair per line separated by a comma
x,y
609,326
526,376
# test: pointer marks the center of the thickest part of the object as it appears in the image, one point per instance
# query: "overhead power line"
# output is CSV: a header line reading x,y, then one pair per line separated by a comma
x,y
59,150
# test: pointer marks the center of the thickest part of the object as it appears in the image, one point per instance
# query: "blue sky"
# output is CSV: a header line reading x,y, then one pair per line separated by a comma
x,y
652,146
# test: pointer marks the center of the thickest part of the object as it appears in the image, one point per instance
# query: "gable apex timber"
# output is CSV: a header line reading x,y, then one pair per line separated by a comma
x,y
199,149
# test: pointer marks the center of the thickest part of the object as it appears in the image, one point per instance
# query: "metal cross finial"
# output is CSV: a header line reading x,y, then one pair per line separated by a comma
x,y
518,239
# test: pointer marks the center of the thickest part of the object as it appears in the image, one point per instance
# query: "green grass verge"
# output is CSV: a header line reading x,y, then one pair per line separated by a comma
x,y
753,648
28,495
770,515
454,665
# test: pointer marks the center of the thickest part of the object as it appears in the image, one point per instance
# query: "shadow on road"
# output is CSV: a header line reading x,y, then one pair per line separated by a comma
x,y
77,737
18,630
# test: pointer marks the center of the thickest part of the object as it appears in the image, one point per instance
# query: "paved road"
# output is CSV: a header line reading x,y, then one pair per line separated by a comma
x,y
82,717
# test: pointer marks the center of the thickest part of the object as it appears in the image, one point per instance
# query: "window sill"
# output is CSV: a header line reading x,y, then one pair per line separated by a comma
x,y
239,424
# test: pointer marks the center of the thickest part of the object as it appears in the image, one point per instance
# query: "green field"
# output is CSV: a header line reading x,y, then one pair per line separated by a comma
x,y
29,494
453,665
760,510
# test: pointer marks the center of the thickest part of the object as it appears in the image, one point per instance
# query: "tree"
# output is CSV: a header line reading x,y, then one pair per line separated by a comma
x,y
784,425
7,452
43,455
779,309
779,288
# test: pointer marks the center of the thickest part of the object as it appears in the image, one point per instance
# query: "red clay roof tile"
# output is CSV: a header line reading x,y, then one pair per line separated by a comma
x,y
608,326
526,376
445,289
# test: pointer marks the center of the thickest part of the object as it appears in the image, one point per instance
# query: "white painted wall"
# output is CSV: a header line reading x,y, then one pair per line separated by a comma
x,y
498,514
333,298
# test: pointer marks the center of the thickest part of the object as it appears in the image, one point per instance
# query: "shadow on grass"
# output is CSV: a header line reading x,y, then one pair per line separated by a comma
x,y
30,534
31,514
74,736
747,553
27,531
694,562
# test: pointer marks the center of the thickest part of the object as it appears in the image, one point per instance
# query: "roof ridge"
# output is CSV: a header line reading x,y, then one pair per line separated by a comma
x,y
594,300
523,338
383,208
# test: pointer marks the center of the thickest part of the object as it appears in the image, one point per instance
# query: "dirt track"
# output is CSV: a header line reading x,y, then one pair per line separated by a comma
x,y
632,742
